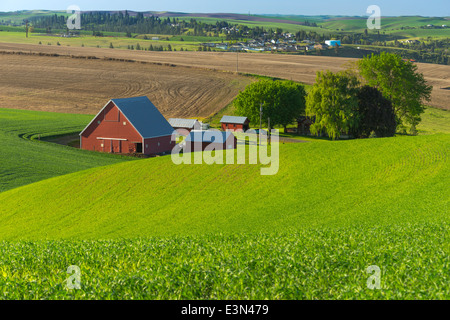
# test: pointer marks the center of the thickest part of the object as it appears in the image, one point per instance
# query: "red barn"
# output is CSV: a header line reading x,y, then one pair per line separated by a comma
x,y
230,123
132,125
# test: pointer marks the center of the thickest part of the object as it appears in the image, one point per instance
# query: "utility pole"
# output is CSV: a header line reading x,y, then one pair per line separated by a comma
x,y
268,132
237,61
260,122
26,27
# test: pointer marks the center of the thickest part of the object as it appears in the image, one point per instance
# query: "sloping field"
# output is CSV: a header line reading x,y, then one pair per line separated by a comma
x,y
23,161
292,67
64,84
149,229
366,182
388,23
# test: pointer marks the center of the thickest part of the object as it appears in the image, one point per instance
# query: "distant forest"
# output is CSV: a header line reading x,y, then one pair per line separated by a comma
x,y
98,22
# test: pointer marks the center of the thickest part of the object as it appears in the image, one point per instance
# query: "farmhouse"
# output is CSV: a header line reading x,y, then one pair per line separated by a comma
x,y
230,123
185,124
132,125
218,140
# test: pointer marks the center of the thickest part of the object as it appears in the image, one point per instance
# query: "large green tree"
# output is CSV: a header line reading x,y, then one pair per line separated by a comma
x,y
334,104
399,82
282,101
376,114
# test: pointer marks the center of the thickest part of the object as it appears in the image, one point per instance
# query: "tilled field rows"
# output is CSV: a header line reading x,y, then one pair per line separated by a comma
x,y
63,84
293,67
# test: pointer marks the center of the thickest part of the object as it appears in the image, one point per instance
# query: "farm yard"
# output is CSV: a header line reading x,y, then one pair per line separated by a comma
x,y
291,67
151,229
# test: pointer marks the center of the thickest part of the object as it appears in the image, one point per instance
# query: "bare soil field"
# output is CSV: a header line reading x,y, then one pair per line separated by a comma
x,y
293,67
64,84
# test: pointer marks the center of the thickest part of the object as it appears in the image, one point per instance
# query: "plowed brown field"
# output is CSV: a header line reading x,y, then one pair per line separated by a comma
x,y
63,84
294,67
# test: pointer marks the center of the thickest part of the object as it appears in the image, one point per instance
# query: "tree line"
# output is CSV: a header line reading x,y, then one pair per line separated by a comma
x,y
120,22
380,96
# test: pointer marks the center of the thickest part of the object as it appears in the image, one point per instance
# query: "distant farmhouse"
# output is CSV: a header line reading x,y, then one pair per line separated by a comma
x,y
230,123
128,126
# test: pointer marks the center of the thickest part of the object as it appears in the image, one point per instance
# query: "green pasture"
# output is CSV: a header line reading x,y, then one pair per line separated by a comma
x,y
339,184
24,161
95,42
309,264
150,229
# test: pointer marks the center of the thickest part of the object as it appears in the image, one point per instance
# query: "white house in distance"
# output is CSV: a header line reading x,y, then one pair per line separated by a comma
x,y
333,43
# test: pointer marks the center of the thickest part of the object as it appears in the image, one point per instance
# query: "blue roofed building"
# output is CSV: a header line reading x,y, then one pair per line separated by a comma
x,y
212,139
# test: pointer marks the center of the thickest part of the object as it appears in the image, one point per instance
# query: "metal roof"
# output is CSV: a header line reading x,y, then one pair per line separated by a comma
x,y
183,123
144,117
231,119
208,136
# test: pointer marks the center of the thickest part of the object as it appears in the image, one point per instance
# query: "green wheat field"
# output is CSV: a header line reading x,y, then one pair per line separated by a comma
x,y
150,229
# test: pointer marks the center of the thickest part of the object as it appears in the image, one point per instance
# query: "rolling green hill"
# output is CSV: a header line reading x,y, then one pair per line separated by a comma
x,y
17,17
359,24
364,182
401,27
148,229
24,161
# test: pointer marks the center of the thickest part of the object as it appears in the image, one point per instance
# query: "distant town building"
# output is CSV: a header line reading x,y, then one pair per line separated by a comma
x,y
333,43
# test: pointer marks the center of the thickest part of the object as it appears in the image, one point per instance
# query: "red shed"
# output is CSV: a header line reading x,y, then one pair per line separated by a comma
x,y
230,123
132,125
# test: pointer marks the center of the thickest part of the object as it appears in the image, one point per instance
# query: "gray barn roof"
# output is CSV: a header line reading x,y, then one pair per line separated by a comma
x,y
143,116
231,119
183,123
